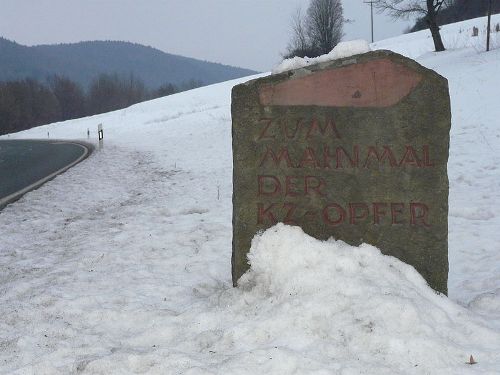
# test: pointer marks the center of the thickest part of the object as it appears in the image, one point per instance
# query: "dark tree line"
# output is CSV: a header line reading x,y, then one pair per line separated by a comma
x,y
28,103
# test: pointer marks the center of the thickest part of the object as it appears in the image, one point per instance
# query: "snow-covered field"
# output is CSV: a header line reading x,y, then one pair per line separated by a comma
x,y
122,264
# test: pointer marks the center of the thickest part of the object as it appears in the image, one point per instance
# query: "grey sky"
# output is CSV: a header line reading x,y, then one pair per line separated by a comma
x,y
246,33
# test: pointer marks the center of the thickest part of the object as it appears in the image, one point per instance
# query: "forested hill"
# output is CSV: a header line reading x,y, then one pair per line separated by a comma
x,y
82,62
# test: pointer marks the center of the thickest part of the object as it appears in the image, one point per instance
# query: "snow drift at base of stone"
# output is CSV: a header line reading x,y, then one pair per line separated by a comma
x,y
340,51
358,304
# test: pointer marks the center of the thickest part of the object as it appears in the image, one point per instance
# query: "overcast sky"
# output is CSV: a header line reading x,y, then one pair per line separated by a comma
x,y
246,33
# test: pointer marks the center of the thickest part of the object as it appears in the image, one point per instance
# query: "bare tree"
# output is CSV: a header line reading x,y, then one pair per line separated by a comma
x,y
429,9
324,24
318,31
299,45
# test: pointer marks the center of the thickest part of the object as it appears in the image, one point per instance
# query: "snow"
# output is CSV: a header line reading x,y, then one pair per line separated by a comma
x,y
122,264
456,36
360,307
341,50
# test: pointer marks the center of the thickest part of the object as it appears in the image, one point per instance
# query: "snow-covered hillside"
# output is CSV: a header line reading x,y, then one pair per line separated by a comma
x,y
122,264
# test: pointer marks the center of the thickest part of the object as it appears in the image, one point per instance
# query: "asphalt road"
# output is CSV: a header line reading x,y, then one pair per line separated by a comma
x,y
27,164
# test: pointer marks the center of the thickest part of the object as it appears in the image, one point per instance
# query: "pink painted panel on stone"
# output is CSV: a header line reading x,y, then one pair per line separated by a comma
x,y
378,83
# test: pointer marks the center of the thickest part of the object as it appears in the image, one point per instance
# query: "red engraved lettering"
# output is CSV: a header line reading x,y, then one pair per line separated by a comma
x,y
316,127
265,213
264,133
378,211
290,207
410,158
341,152
291,186
386,155
419,213
357,211
298,125
314,184
340,213
283,155
309,158
332,125
396,209
326,157
269,186
427,158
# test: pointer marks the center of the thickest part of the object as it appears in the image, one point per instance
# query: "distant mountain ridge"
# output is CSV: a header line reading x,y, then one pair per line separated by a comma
x,y
84,61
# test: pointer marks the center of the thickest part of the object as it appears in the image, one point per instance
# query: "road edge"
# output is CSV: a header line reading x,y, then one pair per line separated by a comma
x,y
88,149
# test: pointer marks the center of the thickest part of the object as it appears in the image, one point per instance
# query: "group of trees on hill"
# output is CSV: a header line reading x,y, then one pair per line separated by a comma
x,y
434,13
460,10
28,103
320,29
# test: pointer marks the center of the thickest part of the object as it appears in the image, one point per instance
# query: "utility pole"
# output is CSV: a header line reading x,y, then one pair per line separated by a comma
x,y
488,29
371,10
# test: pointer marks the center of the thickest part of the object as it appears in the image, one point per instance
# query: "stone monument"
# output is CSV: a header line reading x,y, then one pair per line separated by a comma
x,y
354,149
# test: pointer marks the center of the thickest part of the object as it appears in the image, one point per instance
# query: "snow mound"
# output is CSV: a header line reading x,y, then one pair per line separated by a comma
x,y
286,260
341,50
358,307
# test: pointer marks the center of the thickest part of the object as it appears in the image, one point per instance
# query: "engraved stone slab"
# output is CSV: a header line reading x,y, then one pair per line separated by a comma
x,y
356,149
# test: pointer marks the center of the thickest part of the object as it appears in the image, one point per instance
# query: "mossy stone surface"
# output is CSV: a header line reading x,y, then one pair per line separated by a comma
x,y
354,149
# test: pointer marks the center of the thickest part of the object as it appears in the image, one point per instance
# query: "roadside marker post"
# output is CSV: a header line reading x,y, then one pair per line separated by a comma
x,y
100,134
88,133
